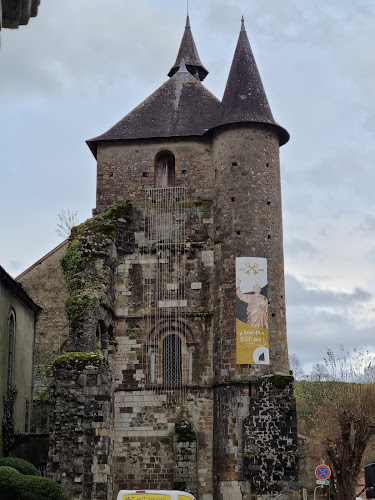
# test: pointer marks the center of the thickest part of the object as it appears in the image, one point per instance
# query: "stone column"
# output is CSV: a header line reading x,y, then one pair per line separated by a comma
x,y
82,426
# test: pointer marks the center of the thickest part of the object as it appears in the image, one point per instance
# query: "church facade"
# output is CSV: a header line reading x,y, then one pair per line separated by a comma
x,y
158,386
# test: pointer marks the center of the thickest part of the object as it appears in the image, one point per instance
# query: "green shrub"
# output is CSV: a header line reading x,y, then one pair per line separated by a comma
x,y
16,486
11,483
24,467
41,488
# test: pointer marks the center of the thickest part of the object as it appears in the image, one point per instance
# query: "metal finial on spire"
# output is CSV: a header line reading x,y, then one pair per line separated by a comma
x,y
187,8
243,24
189,52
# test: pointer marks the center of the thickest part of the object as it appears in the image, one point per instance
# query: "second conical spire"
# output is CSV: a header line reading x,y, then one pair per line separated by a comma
x,y
188,51
244,97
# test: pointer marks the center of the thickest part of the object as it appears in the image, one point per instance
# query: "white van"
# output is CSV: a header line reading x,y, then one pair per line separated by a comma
x,y
154,495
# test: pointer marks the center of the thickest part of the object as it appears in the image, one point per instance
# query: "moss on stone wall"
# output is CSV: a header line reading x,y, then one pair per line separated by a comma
x,y
79,360
75,305
89,240
280,381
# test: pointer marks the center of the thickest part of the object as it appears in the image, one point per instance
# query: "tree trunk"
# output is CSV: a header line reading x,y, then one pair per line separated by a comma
x,y
345,487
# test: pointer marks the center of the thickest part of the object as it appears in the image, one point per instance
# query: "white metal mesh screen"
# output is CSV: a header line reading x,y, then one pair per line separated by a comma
x,y
166,353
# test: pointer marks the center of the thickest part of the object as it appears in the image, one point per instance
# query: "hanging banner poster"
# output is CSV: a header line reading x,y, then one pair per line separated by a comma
x,y
252,311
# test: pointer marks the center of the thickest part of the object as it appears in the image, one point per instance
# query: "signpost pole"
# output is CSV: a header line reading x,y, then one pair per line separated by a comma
x,y
322,473
320,486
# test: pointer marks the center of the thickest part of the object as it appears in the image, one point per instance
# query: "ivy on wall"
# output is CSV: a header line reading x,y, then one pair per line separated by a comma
x,y
9,398
90,239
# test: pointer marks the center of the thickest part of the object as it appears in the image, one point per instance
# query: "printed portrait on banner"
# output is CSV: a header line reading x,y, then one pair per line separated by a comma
x,y
252,311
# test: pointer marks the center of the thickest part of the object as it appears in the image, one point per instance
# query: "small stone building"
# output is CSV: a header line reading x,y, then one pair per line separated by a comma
x,y
18,315
150,393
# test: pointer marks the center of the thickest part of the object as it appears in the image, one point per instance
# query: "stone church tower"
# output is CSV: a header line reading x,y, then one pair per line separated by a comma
x,y
151,392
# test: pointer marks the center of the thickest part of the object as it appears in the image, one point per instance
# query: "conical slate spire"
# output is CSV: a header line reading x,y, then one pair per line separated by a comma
x,y
244,97
189,52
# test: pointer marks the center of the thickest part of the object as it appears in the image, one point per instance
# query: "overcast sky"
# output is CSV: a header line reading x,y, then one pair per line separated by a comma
x,y
78,68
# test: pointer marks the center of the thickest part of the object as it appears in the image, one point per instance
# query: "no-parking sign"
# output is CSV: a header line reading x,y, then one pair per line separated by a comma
x,y
323,472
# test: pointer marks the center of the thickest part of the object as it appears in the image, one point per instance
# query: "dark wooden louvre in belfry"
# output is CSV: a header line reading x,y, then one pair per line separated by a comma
x,y
165,171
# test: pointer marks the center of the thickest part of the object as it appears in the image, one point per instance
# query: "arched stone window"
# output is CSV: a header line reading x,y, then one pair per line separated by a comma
x,y
170,357
164,170
172,361
11,344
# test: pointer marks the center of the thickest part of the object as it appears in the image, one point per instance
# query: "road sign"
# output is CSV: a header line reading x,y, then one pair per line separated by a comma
x,y
322,481
323,472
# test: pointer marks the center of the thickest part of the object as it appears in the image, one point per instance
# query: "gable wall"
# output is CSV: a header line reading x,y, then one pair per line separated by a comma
x,y
122,169
45,283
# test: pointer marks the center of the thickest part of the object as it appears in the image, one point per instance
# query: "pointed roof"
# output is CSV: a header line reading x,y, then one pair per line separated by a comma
x,y
244,97
189,52
18,291
182,106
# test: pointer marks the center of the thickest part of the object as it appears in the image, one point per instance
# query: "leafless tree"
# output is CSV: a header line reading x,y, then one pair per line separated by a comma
x,y
319,373
296,367
339,414
67,220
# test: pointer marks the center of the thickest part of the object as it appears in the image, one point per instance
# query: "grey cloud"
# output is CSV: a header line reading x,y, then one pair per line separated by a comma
x,y
368,224
298,293
319,319
300,247
312,332
97,46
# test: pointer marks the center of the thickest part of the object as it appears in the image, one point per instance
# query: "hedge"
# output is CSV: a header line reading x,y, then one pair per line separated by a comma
x,y
41,488
16,486
11,483
23,466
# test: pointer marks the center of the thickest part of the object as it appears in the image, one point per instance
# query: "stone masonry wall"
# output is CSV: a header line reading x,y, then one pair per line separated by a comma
x,y
126,170
231,403
185,457
247,222
148,452
45,283
81,422
270,437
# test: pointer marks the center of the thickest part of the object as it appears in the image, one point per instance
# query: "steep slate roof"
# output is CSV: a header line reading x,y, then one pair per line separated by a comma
x,y
18,12
182,106
244,97
188,51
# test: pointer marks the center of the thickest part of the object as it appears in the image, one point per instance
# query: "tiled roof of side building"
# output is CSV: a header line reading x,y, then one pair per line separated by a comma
x,y
182,106
244,97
